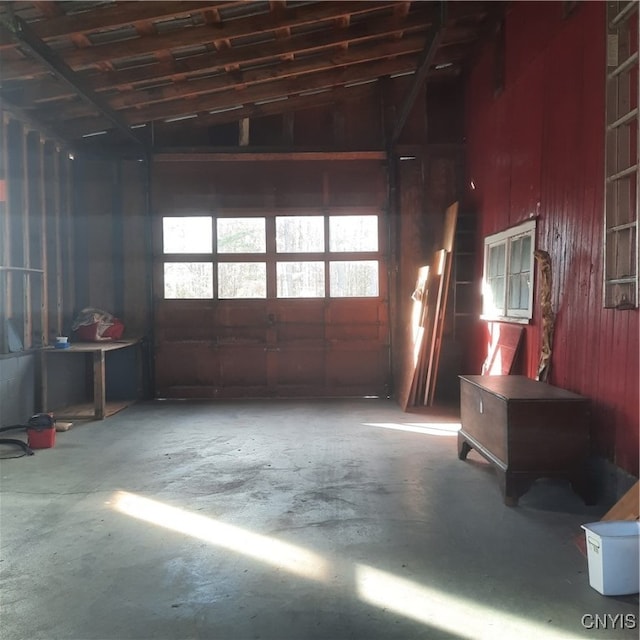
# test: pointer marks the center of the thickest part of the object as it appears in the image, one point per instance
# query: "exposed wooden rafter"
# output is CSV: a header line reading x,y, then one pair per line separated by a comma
x,y
22,33
208,34
110,66
321,42
118,15
75,129
434,37
239,95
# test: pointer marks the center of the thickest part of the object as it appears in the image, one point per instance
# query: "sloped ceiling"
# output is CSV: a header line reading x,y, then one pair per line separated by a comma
x,y
89,69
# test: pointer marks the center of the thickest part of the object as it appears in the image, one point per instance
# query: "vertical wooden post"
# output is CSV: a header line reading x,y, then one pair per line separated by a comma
x,y
117,247
27,316
44,300
57,240
44,387
243,132
99,395
288,123
4,237
66,239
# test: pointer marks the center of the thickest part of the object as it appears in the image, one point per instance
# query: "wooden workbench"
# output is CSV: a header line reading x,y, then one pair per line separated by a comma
x,y
99,408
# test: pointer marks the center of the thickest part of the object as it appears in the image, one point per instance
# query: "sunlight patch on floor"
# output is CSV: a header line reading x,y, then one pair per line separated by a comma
x,y
436,608
428,428
431,606
277,553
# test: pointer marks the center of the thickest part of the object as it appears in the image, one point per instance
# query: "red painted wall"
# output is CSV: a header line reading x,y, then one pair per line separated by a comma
x,y
537,149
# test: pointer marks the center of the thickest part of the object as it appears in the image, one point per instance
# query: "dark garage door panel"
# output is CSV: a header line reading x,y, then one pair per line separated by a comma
x,y
268,348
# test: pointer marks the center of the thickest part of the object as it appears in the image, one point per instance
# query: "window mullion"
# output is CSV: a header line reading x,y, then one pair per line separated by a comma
x,y
270,230
214,257
327,257
508,277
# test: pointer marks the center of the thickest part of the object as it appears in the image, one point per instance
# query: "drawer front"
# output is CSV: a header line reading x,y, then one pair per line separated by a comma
x,y
484,418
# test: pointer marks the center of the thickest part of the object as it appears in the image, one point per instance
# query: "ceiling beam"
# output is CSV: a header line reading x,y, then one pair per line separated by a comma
x,y
239,79
210,33
13,69
120,14
48,9
332,96
252,156
21,69
375,27
35,93
434,38
24,36
273,90
306,43
77,128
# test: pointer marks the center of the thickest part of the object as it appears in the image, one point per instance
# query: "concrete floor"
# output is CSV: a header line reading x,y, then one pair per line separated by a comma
x,y
286,520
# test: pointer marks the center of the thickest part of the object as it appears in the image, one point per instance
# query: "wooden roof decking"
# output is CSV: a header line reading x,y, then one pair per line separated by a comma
x,y
83,68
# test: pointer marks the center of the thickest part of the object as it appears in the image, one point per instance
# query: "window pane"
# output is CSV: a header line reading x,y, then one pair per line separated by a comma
x,y
300,279
526,253
353,279
520,259
495,298
353,233
184,280
515,259
514,292
242,280
299,234
519,291
241,235
524,291
496,260
187,235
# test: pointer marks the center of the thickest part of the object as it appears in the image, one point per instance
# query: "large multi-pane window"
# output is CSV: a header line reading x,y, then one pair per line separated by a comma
x,y
622,157
508,274
279,256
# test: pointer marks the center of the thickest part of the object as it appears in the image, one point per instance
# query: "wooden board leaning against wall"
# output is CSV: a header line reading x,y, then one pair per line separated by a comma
x,y
427,320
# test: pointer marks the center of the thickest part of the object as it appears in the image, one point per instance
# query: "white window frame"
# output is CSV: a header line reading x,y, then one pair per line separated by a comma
x,y
502,312
622,159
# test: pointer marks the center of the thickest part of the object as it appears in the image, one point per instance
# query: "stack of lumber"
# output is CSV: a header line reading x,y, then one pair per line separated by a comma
x,y
428,315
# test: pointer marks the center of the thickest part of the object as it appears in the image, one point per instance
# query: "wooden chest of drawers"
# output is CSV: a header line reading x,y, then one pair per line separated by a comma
x,y
527,429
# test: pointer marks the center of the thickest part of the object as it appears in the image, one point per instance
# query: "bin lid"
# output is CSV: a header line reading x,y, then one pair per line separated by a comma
x,y
614,528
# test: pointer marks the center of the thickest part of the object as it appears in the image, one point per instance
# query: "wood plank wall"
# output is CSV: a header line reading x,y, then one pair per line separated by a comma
x,y
537,149
352,124
113,240
36,270
429,174
426,186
